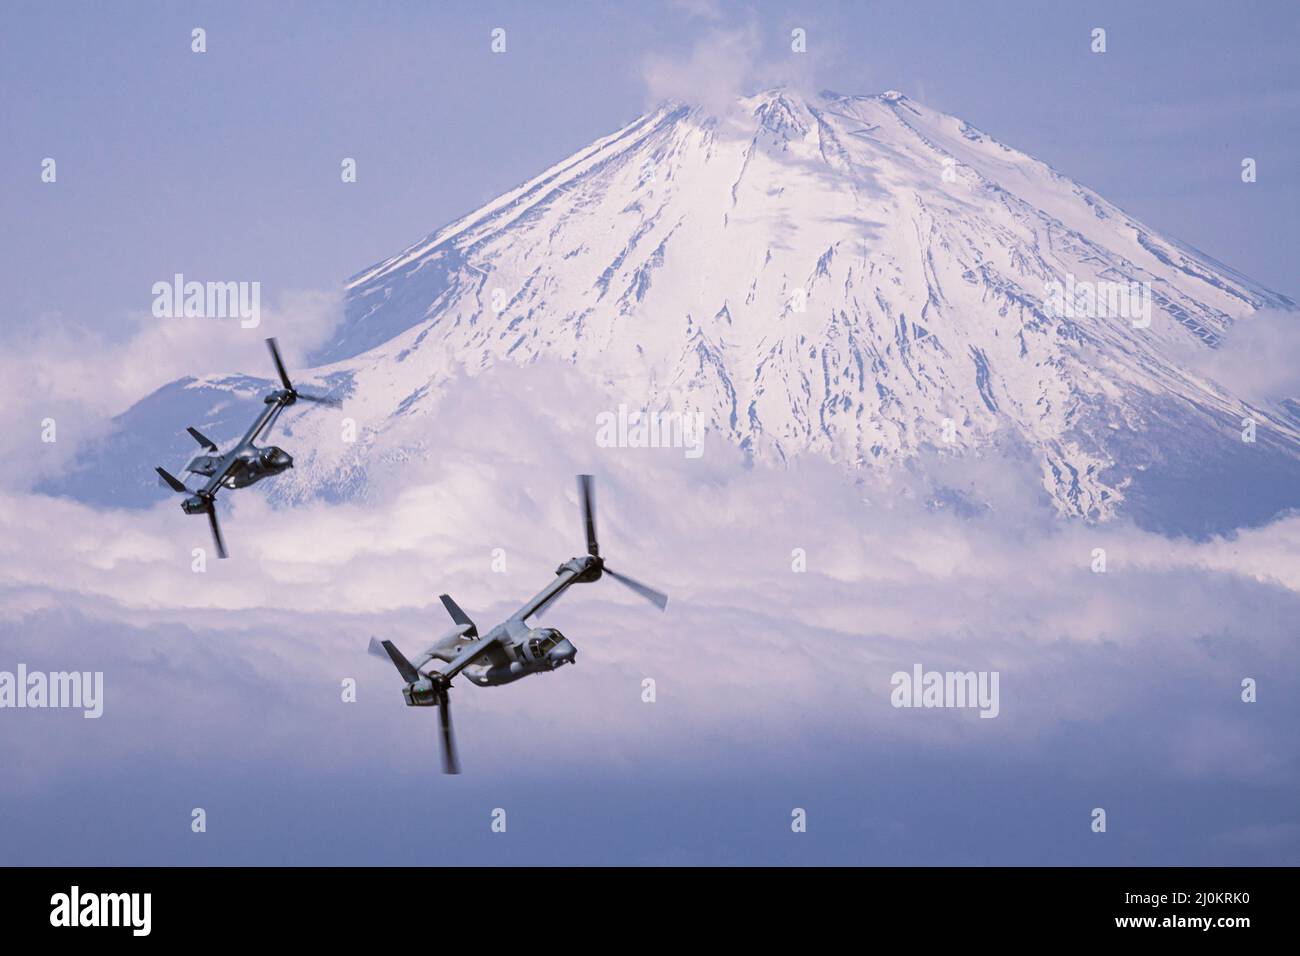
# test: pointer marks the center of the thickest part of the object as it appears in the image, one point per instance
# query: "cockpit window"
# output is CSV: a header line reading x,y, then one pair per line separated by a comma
x,y
540,646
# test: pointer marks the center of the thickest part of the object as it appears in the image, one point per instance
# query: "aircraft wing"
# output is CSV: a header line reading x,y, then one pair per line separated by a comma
x,y
445,647
540,602
262,424
265,428
224,466
468,655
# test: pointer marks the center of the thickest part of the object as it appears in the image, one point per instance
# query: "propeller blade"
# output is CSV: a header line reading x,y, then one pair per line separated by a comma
x,y
322,399
377,649
587,497
657,598
216,529
279,364
172,480
450,764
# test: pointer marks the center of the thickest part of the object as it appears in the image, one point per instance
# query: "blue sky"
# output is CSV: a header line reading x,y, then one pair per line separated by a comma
x,y
228,163
1120,690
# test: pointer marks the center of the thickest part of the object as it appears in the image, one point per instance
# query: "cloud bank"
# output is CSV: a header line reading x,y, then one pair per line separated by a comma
x,y
1258,359
1135,671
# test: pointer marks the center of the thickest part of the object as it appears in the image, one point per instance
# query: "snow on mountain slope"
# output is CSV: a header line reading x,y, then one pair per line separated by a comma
x,y
859,277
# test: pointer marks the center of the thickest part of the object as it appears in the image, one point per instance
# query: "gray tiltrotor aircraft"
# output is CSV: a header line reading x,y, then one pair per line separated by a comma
x,y
246,463
510,650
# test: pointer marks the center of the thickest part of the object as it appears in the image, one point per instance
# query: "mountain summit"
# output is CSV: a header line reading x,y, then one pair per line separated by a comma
x,y
859,277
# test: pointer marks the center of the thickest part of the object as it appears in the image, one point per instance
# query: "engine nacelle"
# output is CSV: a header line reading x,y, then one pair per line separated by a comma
x,y
420,694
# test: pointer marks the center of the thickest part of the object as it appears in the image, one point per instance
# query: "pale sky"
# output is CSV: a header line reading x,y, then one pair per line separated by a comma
x,y
227,163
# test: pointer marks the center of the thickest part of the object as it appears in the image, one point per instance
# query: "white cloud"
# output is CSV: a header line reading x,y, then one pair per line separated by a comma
x,y
77,376
1258,359
748,648
721,66
740,58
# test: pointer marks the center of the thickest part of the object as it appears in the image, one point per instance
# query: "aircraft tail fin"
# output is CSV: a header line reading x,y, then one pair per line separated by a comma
x,y
202,439
404,667
457,615
173,482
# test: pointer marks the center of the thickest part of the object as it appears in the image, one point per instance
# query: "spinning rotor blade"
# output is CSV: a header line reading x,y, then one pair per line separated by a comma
x,y
284,380
587,498
323,400
376,649
279,364
216,529
450,764
210,507
172,480
657,598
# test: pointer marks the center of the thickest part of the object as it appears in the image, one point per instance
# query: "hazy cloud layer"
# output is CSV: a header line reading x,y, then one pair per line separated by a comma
x,y
1134,671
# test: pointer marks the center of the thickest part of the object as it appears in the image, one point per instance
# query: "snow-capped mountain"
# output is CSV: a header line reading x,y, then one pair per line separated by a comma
x,y
858,277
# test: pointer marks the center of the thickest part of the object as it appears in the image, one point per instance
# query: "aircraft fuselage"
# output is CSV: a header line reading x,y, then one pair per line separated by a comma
x,y
251,465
